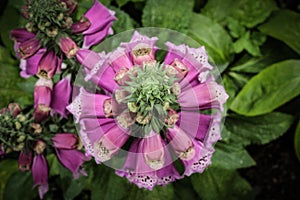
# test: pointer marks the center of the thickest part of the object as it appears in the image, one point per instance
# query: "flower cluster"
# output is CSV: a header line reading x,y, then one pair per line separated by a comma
x,y
50,47
20,134
49,35
162,111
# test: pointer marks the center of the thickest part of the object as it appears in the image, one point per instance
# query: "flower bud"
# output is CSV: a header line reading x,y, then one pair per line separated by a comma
x,y
39,146
68,46
25,160
48,65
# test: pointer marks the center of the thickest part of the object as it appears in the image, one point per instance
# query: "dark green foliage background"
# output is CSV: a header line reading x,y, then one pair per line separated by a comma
x,y
256,46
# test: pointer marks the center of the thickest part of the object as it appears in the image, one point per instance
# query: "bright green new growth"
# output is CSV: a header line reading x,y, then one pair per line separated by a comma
x,y
150,94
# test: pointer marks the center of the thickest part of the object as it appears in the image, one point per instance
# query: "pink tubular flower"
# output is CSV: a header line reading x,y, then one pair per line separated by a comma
x,y
29,66
26,44
97,29
24,161
42,99
65,141
138,172
68,46
66,150
61,95
40,174
155,108
28,48
48,65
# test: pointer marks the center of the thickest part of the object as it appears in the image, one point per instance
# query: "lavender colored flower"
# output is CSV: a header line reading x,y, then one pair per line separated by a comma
x,y
157,105
97,29
40,174
48,65
50,26
66,150
61,95
42,99
25,161
40,169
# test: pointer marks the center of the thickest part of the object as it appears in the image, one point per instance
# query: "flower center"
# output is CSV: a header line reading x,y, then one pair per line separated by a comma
x,y
150,95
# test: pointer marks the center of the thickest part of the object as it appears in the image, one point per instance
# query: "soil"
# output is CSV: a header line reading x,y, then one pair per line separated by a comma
x,y
276,175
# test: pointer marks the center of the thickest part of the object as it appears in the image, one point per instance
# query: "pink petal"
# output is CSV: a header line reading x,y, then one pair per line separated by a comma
x,y
95,38
203,96
30,66
21,35
72,159
87,105
61,96
109,144
99,16
65,141
201,160
40,174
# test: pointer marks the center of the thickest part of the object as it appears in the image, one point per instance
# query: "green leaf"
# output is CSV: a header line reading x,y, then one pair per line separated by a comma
x,y
7,168
217,183
158,193
247,42
258,130
297,141
272,51
12,87
284,25
107,185
235,28
53,165
218,10
71,187
248,12
75,188
231,157
11,18
215,39
124,22
5,56
230,88
270,89
19,186
184,190
123,2
172,14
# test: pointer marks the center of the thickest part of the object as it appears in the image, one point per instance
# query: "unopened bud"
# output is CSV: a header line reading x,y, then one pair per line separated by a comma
x,y
21,118
39,147
18,125
21,138
19,147
52,32
37,129
60,16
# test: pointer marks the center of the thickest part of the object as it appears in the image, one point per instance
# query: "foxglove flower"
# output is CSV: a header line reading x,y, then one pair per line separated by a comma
x,y
157,105
25,160
97,29
61,96
48,65
42,99
40,169
50,27
66,150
